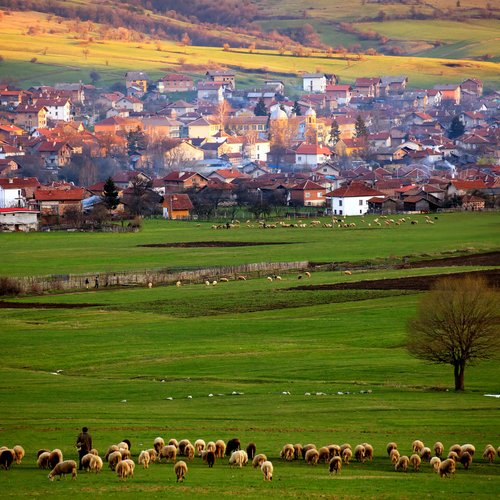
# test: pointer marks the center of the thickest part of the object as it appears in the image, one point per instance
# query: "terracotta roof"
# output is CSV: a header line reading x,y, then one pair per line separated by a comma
x,y
177,202
354,190
44,194
477,184
19,182
20,209
312,149
307,185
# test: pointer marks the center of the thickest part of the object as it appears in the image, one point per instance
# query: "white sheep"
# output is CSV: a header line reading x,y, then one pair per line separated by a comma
x,y
63,468
96,463
168,452
435,463
178,284
447,467
391,446
438,449
402,464
359,453
335,465
239,458
180,469
287,452
123,470
43,460
144,459
415,461
131,464
219,448
267,470
347,455
417,446
489,453
312,456
173,442
114,459
18,453
469,448
258,460
153,455
199,446
158,444
394,456
189,451
86,461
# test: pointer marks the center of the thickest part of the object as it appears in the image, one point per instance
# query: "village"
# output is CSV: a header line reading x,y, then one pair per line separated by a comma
x,y
185,149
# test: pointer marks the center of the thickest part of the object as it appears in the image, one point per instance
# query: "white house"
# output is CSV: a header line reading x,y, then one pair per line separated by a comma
x,y
57,109
313,82
311,155
18,219
352,199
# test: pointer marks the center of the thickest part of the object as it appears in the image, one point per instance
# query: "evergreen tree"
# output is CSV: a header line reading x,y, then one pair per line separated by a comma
x,y
456,128
136,141
334,133
296,109
260,108
110,194
361,130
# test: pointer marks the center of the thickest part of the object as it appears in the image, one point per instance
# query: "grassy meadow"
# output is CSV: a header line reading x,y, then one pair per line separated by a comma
x,y
60,57
282,365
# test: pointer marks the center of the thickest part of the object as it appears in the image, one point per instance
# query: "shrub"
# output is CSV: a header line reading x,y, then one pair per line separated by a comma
x,y
9,286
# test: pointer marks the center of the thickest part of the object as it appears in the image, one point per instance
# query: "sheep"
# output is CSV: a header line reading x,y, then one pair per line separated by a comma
x,y
207,283
125,453
43,460
307,274
173,442
426,454
415,461
6,458
55,457
251,448
470,448
123,445
144,459
189,452
456,448
182,445
344,446
489,453
153,455
334,450
347,455
359,453
238,457
391,446
242,278
214,282
258,460
324,454
199,446
454,456
306,448
158,444
335,465
297,451
123,469
312,456
402,464
219,448
18,453
42,450
223,280
394,456
168,452
417,446
211,447
180,469
232,445
86,461
95,463
208,458
348,273
498,451
287,452
178,284
267,470
435,463
93,451
466,459
111,449
150,284
131,464
447,467
438,449
114,459
63,468
368,451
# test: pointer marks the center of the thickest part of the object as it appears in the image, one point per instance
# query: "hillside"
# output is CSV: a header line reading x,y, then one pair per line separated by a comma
x,y
41,49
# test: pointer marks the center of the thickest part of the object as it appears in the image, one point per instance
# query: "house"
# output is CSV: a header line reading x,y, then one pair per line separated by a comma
x,y
421,203
394,84
158,128
203,127
18,219
450,92
55,201
340,93
244,124
313,82
177,206
210,92
225,78
175,182
57,109
472,86
8,166
368,87
175,83
308,193
117,125
257,150
352,199
179,108
472,203
30,116
434,97
472,119
137,80
311,155
17,191
129,103
387,205
56,154
227,175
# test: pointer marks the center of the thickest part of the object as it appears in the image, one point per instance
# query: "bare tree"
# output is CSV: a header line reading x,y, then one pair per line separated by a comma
x,y
457,323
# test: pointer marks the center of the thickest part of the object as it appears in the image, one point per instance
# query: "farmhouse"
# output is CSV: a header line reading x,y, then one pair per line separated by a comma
x,y
352,199
18,219
177,206
308,193
175,83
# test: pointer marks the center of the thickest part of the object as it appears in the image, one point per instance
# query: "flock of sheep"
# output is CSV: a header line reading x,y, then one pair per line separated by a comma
x,y
119,458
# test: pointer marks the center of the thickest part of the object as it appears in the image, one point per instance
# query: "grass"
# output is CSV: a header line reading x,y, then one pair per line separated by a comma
x,y
25,254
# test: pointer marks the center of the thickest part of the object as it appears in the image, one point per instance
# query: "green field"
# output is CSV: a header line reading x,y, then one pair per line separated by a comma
x,y
111,59
126,364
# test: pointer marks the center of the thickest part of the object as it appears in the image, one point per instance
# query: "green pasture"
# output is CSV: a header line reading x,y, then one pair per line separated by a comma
x,y
25,254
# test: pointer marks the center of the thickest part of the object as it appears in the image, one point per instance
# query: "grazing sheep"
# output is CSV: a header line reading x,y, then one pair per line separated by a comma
x,y
267,470
6,458
402,464
297,451
334,450
150,285
456,448
168,452
394,456
307,274
454,456
223,280
344,446
55,457
391,446
238,457
189,452
207,282
111,449
435,463
95,463
123,445
182,446
470,448
438,449
287,452
312,456
158,444
466,459
123,470
426,454
63,468
180,469
86,461
131,464
241,278
368,451
144,459
269,279
43,460
125,453
39,452
114,459
18,453
219,448
232,445
178,284
93,451
489,453
173,442
324,454
258,460
417,446
306,448
447,468
199,446
415,461
153,456
251,448
347,455
214,282
348,273
210,446
335,465
359,453
498,451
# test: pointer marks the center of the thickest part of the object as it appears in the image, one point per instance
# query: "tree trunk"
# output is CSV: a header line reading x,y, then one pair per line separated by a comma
x,y
459,370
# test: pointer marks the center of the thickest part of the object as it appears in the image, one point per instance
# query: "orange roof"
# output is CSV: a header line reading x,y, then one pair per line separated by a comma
x,y
75,194
312,149
354,190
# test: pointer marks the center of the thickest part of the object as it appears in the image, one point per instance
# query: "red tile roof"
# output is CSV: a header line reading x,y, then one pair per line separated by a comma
x,y
312,149
354,190
44,194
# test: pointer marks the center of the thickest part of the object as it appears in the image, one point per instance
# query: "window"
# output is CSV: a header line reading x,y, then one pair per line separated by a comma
x,y
307,195
340,212
361,212
360,202
340,203
299,158
320,195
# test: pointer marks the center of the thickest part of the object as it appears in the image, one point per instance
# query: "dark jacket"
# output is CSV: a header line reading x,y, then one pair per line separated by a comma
x,y
84,441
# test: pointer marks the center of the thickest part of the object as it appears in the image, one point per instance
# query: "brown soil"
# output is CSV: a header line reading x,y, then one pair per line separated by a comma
x,y
481,259
38,305
213,244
